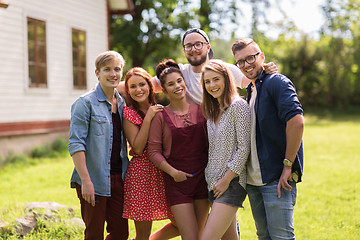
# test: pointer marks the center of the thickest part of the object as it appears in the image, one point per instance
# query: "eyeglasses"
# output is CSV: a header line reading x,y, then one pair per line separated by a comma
x,y
197,46
249,59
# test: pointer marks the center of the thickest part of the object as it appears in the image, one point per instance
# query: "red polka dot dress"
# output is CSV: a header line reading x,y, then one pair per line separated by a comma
x,y
144,190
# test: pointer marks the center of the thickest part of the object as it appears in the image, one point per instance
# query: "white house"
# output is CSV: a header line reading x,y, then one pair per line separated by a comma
x,y
47,53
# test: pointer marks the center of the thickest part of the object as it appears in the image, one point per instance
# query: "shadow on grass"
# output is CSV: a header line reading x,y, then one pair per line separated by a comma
x,y
326,117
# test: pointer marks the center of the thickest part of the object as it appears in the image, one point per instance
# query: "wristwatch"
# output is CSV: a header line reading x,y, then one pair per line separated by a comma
x,y
287,162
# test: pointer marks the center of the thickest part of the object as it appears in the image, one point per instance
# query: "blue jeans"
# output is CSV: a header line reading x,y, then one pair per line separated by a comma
x,y
273,216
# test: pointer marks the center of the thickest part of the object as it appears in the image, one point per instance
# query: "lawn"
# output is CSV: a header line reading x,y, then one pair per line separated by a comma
x,y
328,203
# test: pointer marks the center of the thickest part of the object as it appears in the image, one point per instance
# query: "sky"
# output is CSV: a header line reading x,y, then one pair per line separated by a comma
x,y
306,15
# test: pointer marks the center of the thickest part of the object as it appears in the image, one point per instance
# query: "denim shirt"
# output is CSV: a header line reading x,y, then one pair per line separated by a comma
x,y
91,131
275,104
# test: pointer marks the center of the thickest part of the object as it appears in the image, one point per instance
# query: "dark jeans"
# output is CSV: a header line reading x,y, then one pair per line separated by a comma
x,y
107,209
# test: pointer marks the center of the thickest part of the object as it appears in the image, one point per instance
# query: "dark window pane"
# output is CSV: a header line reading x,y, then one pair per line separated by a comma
x,y
42,53
31,47
75,59
31,30
75,77
31,74
74,39
42,74
83,58
83,78
41,32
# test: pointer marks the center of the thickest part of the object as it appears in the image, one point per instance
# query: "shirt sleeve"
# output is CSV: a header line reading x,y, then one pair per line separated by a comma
x,y
79,126
241,119
286,99
159,143
237,74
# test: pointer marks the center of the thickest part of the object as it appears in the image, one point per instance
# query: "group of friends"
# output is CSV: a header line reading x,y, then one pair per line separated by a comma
x,y
195,160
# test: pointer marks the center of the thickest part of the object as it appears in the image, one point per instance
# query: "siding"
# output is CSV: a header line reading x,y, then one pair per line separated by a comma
x,y
18,103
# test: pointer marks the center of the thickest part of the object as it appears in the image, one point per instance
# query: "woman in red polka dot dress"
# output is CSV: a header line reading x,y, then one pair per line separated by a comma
x,y
145,199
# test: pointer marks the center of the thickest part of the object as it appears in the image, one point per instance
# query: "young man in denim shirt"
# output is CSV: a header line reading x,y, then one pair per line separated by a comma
x,y
98,148
276,158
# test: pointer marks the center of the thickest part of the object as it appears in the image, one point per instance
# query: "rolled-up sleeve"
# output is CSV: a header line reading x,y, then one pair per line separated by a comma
x,y
287,101
79,126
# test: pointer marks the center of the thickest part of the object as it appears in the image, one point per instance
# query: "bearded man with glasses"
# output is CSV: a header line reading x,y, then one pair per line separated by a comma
x,y
198,52
276,158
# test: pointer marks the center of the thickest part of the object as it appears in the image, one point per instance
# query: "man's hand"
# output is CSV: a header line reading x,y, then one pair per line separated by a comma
x,y
283,181
88,192
270,68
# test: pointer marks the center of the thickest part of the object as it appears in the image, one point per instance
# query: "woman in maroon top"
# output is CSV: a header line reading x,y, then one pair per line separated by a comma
x,y
178,146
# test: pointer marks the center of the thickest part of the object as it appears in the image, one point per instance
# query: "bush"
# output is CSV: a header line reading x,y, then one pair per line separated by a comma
x,y
59,145
58,148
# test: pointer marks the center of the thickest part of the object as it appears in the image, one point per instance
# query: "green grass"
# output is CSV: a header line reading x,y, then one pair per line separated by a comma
x,y
328,203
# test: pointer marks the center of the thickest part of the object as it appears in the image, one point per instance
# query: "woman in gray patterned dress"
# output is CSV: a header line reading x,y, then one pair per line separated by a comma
x,y
228,126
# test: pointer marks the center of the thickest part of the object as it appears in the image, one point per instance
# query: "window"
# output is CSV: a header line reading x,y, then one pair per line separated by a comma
x,y
79,58
37,53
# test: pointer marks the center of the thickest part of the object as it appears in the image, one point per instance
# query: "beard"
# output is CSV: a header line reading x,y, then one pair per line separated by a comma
x,y
197,62
253,75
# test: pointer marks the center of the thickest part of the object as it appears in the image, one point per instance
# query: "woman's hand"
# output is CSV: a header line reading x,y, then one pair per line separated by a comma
x,y
180,176
152,111
220,187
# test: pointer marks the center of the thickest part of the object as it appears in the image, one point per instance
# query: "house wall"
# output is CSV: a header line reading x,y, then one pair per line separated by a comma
x,y
18,102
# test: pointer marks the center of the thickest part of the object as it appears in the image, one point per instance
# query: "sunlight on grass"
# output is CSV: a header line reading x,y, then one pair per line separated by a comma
x,y
328,204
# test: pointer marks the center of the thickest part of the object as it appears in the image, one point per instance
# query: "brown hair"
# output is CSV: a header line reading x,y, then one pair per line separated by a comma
x,y
242,43
164,68
210,105
144,74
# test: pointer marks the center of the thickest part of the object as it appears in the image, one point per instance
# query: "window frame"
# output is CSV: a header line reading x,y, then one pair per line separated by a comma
x,y
79,61
39,61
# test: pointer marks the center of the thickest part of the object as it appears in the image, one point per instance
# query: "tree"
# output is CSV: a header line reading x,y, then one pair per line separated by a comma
x,y
152,32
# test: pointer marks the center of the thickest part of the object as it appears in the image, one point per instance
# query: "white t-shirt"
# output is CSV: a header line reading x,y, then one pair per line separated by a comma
x,y
253,165
193,81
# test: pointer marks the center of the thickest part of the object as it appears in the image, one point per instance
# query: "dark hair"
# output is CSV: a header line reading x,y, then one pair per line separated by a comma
x,y
164,68
241,44
210,105
144,74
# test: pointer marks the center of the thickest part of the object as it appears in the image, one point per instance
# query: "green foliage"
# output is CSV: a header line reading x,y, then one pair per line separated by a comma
x,y
152,32
58,148
325,71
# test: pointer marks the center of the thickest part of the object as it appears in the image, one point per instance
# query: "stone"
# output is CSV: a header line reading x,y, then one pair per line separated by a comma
x,y
25,224
53,206
77,222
